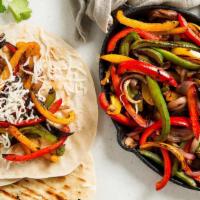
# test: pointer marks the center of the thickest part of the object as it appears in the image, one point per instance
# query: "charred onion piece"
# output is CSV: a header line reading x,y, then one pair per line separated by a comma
x,y
162,14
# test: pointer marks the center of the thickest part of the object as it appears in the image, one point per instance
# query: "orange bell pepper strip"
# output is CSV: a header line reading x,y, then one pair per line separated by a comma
x,y
167,170
14,61
156,27
12,130
48,115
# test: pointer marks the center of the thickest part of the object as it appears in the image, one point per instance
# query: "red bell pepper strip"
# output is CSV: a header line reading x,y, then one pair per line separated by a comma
x,y
53,109
122,119
131,111
37,154
167,170
189,32
115,80
193,109
174,121
4,124
124,32
147,69
11,47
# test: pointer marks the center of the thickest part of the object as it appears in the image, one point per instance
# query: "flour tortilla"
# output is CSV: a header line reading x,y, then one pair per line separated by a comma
x,y
80,184
83,102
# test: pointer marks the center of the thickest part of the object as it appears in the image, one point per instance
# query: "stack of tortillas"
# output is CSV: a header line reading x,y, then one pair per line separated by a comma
x,y
73,177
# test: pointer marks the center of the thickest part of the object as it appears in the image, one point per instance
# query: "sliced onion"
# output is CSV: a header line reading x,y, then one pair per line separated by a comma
x,y
132,76
188,156
183,87
177,104
179,134
135,132
131,79
194,145
193,173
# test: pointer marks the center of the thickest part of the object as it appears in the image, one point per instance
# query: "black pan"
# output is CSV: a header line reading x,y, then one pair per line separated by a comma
x,y
138,13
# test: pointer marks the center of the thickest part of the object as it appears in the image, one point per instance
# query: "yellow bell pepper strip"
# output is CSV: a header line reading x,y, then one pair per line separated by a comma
x,y
48,115
175,31
177,60
115,106
14,61
161,105
188,53
12,130
115,58
155,27
174,150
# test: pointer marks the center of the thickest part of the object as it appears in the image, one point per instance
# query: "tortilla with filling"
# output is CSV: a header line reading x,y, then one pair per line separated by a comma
x,y
63,69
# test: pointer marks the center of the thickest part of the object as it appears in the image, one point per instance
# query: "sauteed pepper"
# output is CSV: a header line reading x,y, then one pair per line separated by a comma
x,y
179,174
146,69
125,44
122,119
167,170
193,109
36,154
160,104
48,115
189,32
124,32
174,121
162,44
156,27
177,60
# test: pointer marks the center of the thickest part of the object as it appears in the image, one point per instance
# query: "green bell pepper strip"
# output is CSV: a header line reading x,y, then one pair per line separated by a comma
x,y
161,105
124,48
50,98
179,174
144,58
60,151
41,131
162,44
177,60
155,55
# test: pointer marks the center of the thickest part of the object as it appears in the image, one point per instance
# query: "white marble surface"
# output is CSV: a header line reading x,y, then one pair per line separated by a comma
x,y
120,175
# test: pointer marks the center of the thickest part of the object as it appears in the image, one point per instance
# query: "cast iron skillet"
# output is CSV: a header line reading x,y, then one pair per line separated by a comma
x,y
138,13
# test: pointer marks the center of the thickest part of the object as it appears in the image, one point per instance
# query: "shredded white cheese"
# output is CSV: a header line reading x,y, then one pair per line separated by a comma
x,y
14,103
